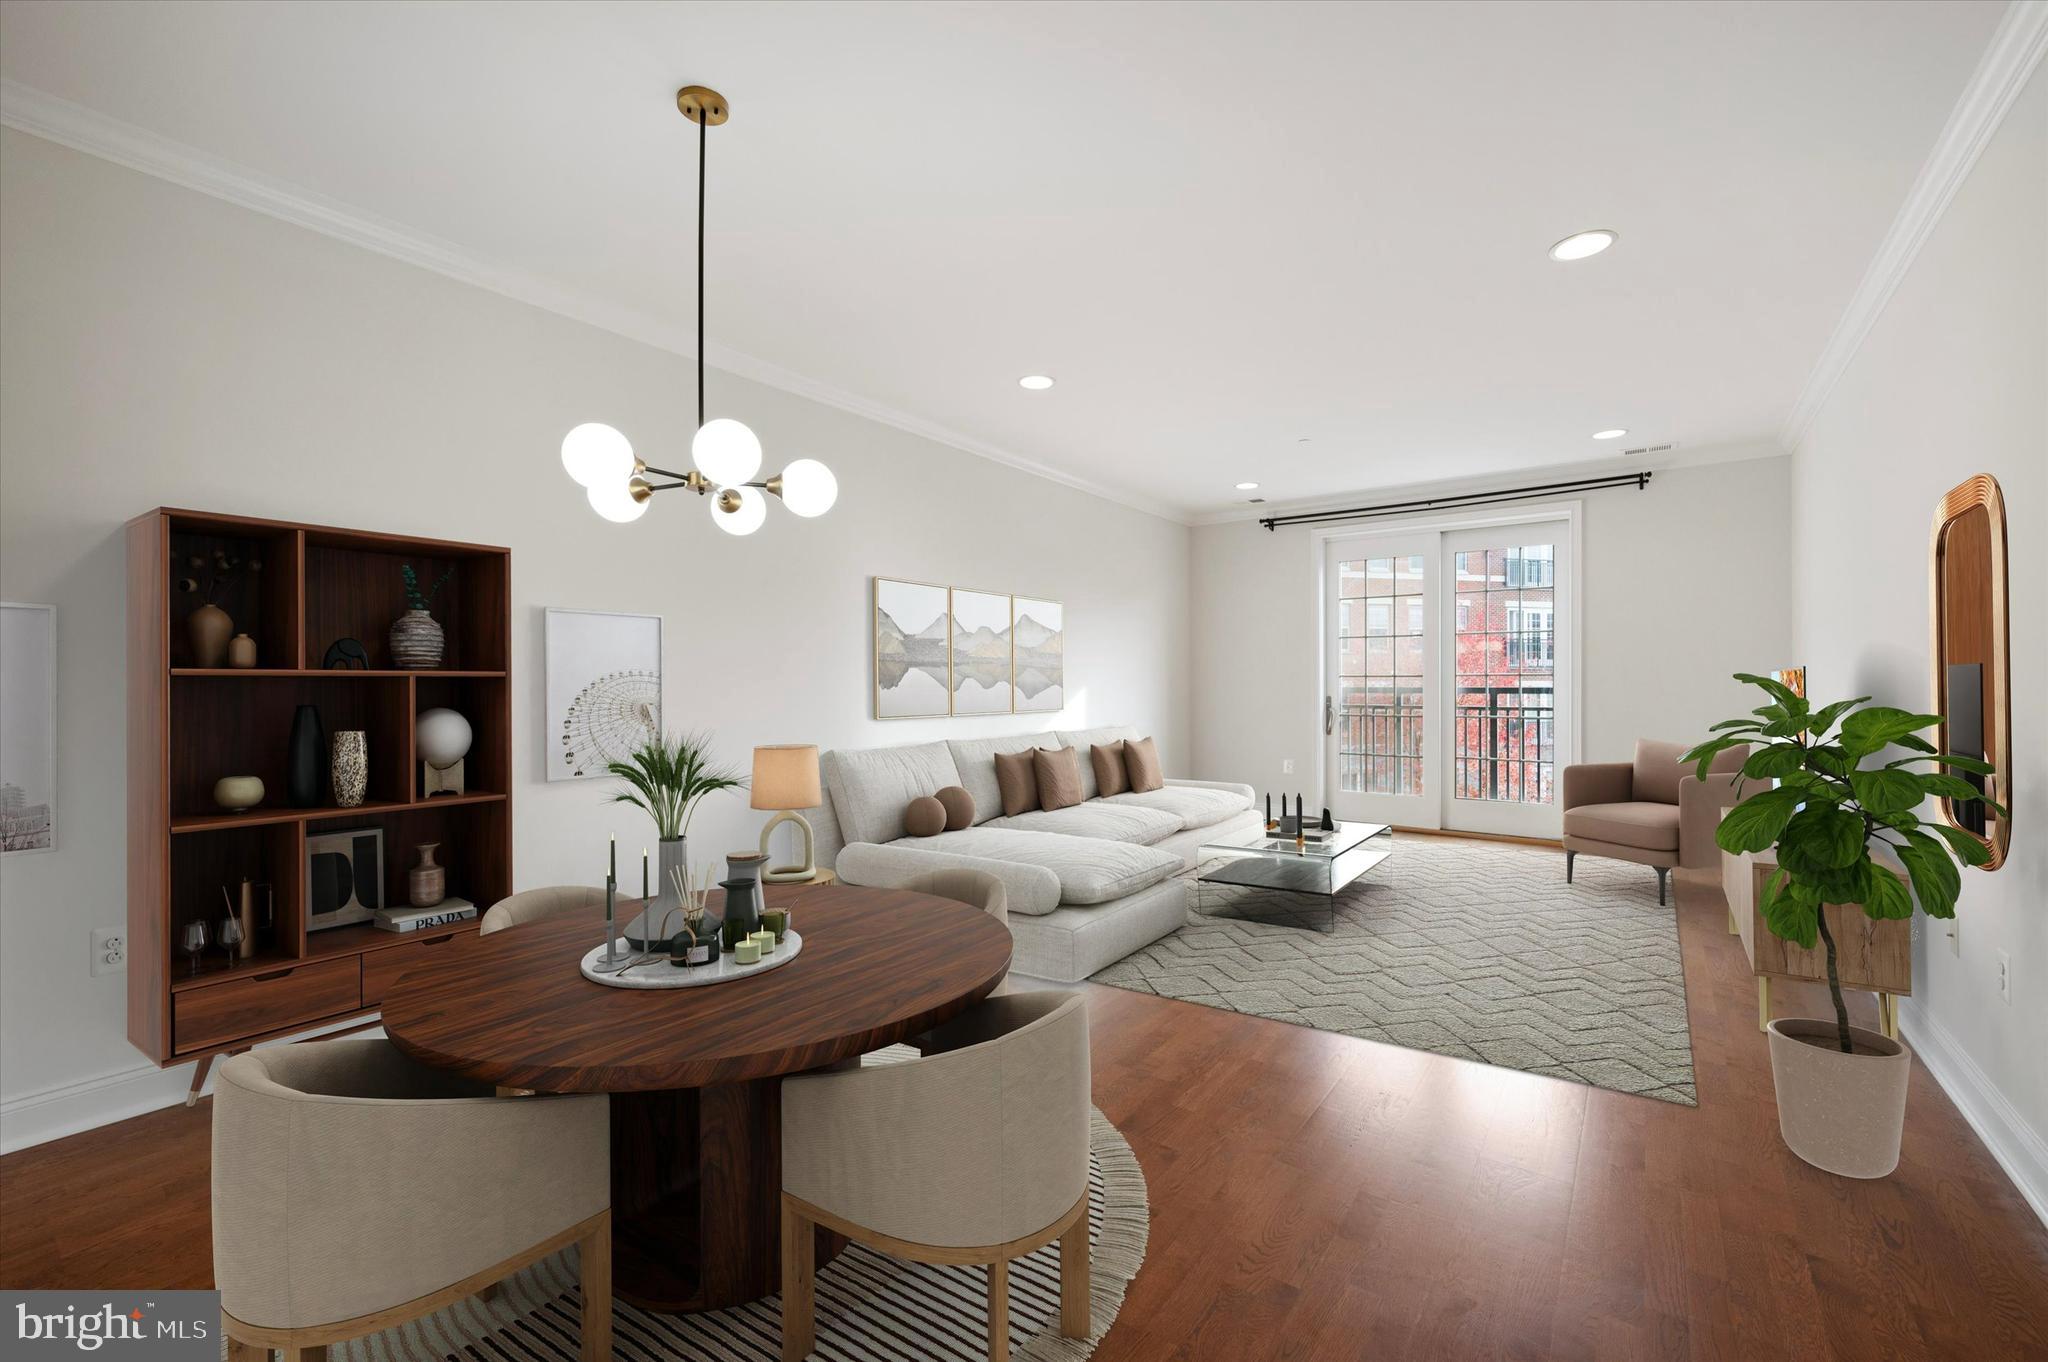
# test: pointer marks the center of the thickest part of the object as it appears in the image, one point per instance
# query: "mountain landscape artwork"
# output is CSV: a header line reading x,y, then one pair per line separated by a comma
x,y
1040,635
981,653
912,632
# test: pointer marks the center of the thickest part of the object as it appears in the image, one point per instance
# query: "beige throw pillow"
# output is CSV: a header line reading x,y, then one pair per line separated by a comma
x,y
1017,778
1059,777
1141,761
1108,760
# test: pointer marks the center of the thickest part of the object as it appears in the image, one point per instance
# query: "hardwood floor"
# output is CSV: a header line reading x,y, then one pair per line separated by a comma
x,y
1315,1196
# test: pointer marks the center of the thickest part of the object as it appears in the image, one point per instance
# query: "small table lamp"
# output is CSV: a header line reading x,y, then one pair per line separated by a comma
x,y
786,779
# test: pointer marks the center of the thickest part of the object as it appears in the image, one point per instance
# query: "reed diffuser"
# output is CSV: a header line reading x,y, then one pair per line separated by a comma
x,y
694,945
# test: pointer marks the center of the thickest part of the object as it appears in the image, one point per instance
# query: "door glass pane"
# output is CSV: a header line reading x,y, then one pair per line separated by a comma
x,y
1504,738
1379,647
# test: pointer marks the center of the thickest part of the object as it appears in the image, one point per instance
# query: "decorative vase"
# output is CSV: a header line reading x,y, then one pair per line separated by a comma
x,y
242,652
238,792
208,627
416,641
745,865
305,761
1842,1113
351,767
426,884
742,917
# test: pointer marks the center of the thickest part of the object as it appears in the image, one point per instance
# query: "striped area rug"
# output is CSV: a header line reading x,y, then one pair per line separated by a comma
x,y
870,1306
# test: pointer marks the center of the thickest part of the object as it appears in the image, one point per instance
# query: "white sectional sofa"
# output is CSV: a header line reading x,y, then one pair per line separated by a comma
x,y
1087,885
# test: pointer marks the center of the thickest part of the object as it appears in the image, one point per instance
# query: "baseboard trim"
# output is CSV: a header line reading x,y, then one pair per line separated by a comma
x,y
2017,1146
84,1104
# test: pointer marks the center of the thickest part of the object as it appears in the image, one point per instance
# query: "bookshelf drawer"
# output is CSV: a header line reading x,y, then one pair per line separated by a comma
x,y
381,969
218,1013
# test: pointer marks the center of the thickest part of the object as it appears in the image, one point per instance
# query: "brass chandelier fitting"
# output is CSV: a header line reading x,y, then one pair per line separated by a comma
x,y
726,452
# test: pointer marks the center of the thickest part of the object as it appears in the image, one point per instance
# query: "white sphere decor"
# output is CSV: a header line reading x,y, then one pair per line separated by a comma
x,y
443,738
808,487
726,451
596,453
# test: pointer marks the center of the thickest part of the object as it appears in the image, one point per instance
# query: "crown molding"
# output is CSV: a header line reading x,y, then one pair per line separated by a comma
x,y
1613,466
2015,50
33,111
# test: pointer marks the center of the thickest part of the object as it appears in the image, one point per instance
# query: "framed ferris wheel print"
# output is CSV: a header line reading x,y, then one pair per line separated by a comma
x,y
603,688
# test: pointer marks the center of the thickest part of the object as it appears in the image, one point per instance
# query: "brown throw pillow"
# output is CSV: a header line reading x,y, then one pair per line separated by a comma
x,y
1141,760
1017,778
959,807
1059,777
1108,760
926,817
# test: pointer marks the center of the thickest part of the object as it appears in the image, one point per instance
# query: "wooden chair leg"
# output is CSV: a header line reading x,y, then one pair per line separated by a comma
x,y
239,1351
1074,1279
799,1257
318,1354
491,1292
596,1252
999,1311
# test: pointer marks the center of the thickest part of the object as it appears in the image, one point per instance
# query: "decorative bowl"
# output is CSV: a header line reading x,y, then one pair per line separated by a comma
x,y
238,792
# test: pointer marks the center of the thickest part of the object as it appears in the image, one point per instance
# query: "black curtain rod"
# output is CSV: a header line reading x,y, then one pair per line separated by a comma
x,y
1458,500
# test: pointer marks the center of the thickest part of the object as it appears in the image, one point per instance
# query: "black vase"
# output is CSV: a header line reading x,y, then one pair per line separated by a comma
x,y
305,766
742,910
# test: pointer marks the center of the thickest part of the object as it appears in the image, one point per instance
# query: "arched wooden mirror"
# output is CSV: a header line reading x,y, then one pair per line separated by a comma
x,y
1972,676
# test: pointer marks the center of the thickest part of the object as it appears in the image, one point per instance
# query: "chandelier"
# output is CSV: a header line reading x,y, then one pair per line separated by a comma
x,y
727,454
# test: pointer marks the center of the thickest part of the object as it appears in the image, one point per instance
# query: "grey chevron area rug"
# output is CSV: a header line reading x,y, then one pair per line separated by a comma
x,y
1478,950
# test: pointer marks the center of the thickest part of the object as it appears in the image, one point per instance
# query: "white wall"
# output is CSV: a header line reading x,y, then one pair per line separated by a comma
x,y
162,347
1682,588
1952,381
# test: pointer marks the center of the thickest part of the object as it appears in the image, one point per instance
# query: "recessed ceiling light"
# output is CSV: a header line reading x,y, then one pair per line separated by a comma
x,y
1609,434
1247,487
1581,245
1038,383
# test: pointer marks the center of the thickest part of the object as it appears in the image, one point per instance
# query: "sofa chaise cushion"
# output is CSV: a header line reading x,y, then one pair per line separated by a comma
x,y
871,788
1103,818
1195,808
1090,869
1653,827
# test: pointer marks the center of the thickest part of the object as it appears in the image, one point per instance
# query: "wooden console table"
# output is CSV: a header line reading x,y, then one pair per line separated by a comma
x,y
1870,954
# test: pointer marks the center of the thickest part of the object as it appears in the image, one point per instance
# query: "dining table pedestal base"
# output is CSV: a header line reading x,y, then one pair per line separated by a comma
x,y
697,1197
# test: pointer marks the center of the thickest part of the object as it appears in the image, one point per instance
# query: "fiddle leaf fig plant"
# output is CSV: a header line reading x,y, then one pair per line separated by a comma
x,y
1828,811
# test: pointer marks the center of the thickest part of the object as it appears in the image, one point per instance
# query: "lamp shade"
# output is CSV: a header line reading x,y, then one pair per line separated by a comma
x,y
786,777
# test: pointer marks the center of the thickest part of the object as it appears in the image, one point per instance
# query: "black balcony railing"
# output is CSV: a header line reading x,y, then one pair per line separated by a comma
x,y
1503,747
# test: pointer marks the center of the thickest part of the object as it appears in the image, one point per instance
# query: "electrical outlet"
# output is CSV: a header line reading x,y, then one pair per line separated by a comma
x,y
2005,978
109,950
1287,767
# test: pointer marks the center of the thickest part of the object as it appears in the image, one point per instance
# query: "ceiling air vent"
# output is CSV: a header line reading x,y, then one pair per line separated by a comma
x,y
1254,501
1652,449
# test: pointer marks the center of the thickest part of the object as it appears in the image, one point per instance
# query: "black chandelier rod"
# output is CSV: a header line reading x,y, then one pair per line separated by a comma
x,y
703,144
1460,500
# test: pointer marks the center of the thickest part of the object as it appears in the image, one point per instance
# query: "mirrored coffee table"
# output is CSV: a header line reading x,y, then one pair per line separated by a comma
x,y
1254,875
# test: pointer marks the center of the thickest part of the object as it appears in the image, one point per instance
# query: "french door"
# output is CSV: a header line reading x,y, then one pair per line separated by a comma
x,y
1447,676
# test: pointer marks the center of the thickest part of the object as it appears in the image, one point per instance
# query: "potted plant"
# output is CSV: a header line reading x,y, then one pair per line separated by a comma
x,y
667,776
1842,1089
416,638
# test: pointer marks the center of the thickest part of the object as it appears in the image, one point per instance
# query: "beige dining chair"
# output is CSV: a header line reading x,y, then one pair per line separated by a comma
x,y
975,1153
531,905
975,888
354,1190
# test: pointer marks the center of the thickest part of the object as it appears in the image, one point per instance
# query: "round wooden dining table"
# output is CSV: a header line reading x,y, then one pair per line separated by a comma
x,y
694,1074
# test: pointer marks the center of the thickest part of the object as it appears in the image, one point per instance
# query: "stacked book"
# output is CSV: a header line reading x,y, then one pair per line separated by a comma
x,y
410,919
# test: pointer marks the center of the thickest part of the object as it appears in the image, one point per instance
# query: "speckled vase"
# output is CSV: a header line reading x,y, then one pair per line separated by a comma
x,y
351,767
416,641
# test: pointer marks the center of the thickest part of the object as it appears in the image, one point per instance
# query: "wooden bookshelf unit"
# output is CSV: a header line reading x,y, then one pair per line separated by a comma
x,y
188,726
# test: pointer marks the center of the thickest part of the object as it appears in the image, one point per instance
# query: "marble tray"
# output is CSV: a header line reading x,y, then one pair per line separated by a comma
x,y
659,973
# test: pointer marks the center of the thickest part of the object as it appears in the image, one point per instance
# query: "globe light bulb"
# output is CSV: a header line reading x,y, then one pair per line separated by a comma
x,y
594,453
614,501
753,509
808,487
726,451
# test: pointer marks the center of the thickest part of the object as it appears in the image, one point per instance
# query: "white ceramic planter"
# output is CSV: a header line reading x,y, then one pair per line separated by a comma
x,y
1842,1113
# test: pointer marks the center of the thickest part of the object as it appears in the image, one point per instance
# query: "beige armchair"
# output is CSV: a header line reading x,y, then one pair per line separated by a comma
x,y
533,904
976,1153
354,1190
974,888
1651,810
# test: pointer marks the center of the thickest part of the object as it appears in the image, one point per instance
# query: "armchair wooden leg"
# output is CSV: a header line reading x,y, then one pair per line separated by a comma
x,y
799,1284
318,1354
1569,857
1074,1279
238,1351
999,1310
596,1251
490,1293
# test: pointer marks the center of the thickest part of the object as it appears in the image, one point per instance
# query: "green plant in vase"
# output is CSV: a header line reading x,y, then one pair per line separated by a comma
x,y
666,777
1824,818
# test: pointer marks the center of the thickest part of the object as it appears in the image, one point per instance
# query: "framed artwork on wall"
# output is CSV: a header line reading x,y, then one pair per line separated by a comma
x,y
603,688
1040,635
28,728
983,664
912,628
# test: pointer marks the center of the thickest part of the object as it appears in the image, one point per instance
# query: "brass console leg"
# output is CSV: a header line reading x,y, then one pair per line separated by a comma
x,y
1888,1015
1733,930
1763,1002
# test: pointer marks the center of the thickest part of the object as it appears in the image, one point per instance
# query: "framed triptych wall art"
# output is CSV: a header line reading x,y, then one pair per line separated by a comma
x,y
954,651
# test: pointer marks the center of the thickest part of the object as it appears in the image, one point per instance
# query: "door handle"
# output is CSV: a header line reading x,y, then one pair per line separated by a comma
x,y
1329,717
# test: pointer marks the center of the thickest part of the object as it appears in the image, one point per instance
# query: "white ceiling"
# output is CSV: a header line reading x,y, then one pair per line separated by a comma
x,y
1223,228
